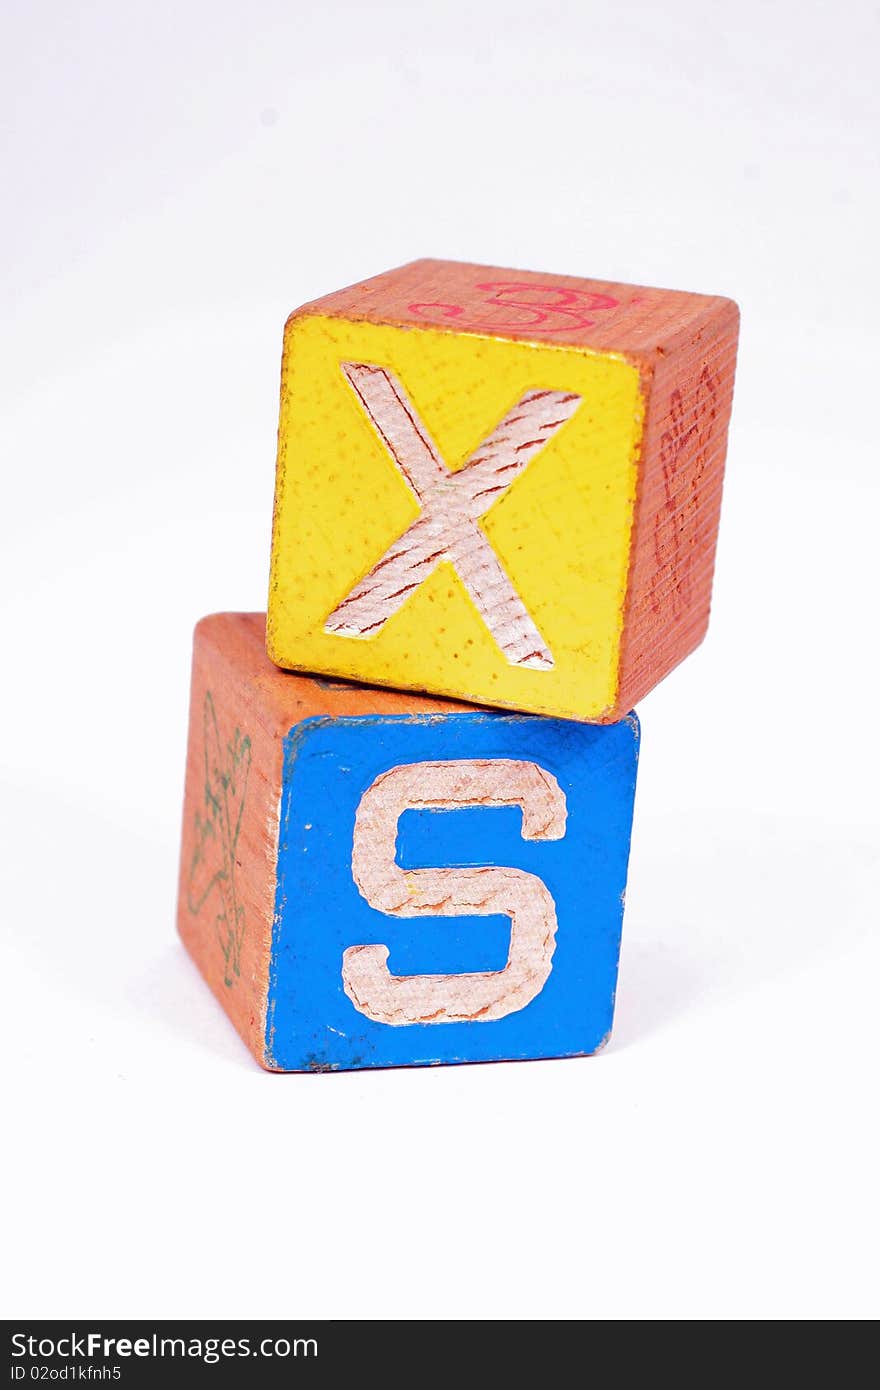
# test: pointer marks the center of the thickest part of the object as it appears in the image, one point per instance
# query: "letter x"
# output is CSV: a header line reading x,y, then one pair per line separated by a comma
x,y
452,503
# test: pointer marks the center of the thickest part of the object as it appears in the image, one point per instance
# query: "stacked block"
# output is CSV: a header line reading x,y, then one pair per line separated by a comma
x,y
360,866
500,488
493,489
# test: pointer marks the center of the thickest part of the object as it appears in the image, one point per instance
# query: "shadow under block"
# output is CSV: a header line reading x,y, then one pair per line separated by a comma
x,y
500,486
371,879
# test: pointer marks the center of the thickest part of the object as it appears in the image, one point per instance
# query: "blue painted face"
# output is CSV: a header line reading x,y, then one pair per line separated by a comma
x,y
314,1021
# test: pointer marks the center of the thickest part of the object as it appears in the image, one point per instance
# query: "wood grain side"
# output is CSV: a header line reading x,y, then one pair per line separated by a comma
x,y
689,396
230,831
528,306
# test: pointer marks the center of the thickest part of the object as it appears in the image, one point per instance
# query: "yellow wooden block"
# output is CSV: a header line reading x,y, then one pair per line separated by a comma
x,y
454,509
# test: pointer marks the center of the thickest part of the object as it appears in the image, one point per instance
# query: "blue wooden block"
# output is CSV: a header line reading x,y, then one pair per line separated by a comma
x,y
448,886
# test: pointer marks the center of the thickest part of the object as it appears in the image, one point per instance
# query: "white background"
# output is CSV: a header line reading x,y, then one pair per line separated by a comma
x,y
177,177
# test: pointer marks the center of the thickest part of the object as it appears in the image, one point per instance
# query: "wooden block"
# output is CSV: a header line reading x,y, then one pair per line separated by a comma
x,y
371,879
500,486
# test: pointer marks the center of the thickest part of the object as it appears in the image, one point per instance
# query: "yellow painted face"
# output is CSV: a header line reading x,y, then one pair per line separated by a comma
x,y
560,530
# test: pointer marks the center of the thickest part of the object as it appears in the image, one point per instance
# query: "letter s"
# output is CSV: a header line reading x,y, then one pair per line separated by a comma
x,y
444,786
